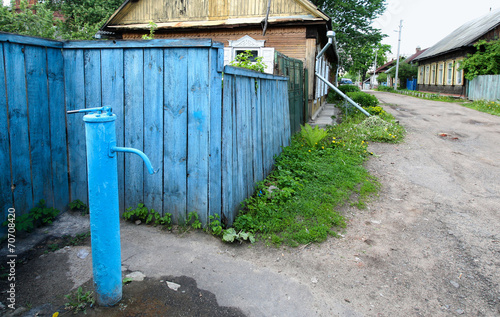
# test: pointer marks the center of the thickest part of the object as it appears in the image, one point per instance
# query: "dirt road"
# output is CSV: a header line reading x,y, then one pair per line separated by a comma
x,y
429,245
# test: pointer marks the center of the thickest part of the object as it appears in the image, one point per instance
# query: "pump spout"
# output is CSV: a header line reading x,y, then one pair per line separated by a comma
x,y
113,149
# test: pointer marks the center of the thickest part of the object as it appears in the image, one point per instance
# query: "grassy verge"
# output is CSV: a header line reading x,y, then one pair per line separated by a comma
x,y
296,204
490,107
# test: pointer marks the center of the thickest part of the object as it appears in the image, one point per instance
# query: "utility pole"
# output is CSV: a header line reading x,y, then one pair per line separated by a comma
x,y
374,68
397,58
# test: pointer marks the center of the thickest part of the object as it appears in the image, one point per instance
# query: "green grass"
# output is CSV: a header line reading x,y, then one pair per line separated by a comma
x,y
490,107
298,202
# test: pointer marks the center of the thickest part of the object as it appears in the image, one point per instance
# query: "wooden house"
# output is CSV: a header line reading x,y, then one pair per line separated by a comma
x,y
439,66
294,28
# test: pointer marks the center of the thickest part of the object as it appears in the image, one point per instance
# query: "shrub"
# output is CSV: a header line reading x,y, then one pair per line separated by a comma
x,y
363,99
385,88
312,136
333,96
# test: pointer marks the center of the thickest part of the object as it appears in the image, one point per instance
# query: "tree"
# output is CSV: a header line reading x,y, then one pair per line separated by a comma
x,y
406,71
357,40
84,17
486,61
35,20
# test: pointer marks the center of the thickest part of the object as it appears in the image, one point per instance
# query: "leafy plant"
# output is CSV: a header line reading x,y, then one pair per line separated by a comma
x,y
79,301
312,136
38,216
230,235
78,205
363,99
147,216
79,238
214,225
152,28
385,88
193,219
244,60
334,96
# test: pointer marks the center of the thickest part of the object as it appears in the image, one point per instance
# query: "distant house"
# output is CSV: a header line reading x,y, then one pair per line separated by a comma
x,y
294,28
438,69
372,80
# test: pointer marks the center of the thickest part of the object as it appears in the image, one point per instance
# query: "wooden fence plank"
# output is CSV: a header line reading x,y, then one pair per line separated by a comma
x,y
237,173
18,120
6,200
134,125
74,73
198,133
112,92
175,133
153,127
39,123
227,150
257,132
215,175
57,111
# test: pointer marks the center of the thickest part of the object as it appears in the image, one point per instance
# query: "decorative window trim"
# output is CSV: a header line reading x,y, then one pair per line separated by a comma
x,y
427,74
421,75
248,43
449,74
459,74
433,74
440,72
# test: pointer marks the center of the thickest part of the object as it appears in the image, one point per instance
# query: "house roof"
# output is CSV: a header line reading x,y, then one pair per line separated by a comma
x,y
464,36
136,14
417,54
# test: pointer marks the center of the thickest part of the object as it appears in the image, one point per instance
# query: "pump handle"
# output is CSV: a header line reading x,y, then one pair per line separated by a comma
x,y
107,109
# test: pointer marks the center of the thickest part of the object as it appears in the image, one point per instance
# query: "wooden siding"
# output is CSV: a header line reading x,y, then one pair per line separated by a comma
x,y
290,41
142,12
176,117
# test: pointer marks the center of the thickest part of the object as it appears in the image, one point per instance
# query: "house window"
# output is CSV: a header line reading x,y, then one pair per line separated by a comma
x,y
427,74
449,73
255,54
421,75
433,74
440,74
458,74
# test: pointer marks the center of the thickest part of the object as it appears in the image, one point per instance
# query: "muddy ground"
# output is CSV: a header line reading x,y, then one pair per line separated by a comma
x,y
429,245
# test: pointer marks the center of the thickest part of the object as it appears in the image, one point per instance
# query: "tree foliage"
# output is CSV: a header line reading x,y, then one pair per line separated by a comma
x,y
405,71
82,18
357,40
486,61
36,20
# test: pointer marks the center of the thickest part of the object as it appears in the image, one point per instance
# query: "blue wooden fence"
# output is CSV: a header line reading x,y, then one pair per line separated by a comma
x,y
485,87
411,84
167,95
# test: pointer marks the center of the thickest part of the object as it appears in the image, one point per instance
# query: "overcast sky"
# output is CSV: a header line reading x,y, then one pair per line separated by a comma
x,y
426,22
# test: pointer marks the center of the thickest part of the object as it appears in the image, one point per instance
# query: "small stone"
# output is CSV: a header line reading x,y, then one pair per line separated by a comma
x,y
455,284
138,222
83,253
376,222
136,276
314,280
460,311
173,286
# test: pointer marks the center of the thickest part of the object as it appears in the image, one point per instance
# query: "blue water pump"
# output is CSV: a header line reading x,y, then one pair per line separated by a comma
x,y
102,169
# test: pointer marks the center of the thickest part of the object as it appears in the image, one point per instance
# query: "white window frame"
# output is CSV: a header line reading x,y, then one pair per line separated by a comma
x,y
248,43
449,73
440,73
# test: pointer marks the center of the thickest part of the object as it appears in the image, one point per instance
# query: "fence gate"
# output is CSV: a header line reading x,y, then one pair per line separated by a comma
x,y
294,69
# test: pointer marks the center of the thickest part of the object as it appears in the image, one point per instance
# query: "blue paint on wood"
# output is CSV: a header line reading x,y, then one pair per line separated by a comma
x,y
92,66
57,110
18,133
227,167
198,133
74,74
6,200
141,44
28,40
215,177
175,133
153,127
134,125
112,92
39,130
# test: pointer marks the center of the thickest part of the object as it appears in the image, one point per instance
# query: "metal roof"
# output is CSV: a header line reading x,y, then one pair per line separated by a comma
x,y
466,35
